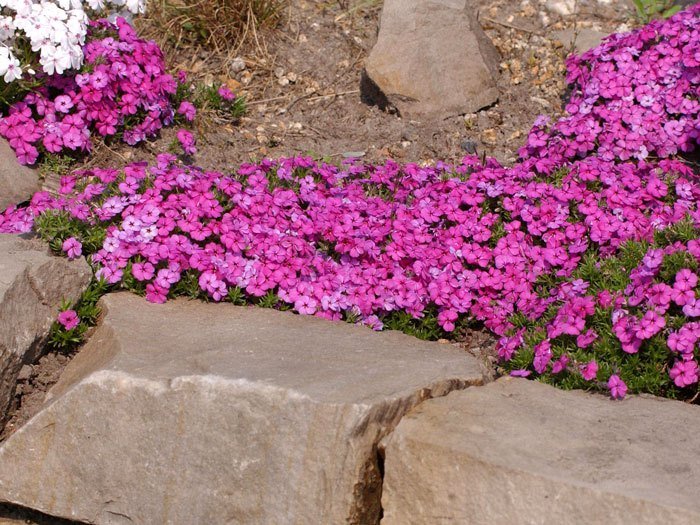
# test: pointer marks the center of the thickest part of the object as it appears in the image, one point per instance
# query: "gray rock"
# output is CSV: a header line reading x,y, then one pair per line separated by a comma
x,y
432,59
581,40
237,65
209,413
32,286
17,183
561,7
469,146
518,451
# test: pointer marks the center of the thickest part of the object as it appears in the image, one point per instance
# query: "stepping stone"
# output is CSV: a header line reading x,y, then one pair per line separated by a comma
x,y
33,284
432,59
17,183
193,412
518,451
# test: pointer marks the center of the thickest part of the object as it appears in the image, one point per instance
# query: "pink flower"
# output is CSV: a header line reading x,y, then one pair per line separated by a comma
x,y
187,141
586,339
684,373
543,355
73,248
560,364
520,373
617,387
143,271
69,319
187,110
226,93
685,280
589,371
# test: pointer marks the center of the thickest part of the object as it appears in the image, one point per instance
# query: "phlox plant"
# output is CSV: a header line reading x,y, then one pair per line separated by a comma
x,y
122,91
582,258
634,96
374,244
632,315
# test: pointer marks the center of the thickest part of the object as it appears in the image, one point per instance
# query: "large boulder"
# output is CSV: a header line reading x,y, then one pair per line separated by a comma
x,y
518,451
431,59
191,412
17,183
33,284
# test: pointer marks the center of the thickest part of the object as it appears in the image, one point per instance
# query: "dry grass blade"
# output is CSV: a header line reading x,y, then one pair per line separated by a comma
x,y
216,25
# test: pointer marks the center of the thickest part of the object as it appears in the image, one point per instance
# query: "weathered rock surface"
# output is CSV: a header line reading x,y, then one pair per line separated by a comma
x,y
561,7
209,413
581,40
17,183
431,59
517,451
32,286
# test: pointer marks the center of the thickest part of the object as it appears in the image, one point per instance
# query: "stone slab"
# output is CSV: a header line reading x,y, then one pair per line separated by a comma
x,y
518,451
33,284
209,413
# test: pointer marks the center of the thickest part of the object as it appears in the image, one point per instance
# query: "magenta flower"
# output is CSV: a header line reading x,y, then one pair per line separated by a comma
x,y
684,373
68,319
560,364
589,371
187,141
226,93
72,248
187,110
520,373
617,387
586,339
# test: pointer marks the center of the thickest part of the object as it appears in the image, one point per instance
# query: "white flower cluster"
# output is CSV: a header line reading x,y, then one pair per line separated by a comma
x,y
51,30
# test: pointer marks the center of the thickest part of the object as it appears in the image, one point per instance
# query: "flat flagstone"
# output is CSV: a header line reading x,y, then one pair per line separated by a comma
x,y
518,451
191,412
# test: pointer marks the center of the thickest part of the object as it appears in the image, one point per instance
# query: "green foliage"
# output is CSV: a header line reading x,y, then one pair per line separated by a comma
x,y
644,371
56,226
650,9
88,311
57,164
426,327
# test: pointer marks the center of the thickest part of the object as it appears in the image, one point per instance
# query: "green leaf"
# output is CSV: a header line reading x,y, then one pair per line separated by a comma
x,y
671,11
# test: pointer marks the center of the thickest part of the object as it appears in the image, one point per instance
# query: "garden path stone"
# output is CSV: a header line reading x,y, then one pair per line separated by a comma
x,y
191,412
431,59
33,284
518,451
17,183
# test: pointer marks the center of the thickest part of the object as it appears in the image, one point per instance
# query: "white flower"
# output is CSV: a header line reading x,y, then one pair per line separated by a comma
x,y
55,60
14,70
56,30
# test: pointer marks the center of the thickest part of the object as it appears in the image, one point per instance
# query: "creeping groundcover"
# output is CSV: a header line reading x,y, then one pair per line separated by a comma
x,y
582,257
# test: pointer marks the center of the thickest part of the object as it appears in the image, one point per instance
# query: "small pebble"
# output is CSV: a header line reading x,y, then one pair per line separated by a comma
x,y
237,65
469,146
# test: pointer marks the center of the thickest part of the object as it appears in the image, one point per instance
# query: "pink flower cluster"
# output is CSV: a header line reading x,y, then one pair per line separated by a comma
x,y
476,240
637,314
634,96
122,89
472,240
